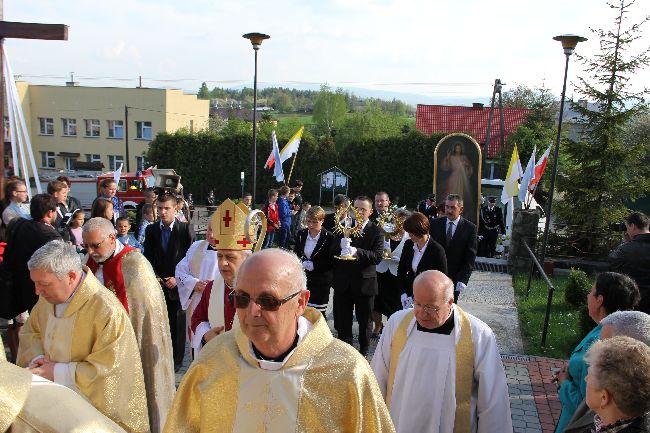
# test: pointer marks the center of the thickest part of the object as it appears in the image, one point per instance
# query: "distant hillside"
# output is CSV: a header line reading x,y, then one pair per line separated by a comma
x,y
301,100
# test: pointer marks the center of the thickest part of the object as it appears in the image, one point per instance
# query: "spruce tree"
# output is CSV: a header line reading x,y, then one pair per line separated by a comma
x,y
600,173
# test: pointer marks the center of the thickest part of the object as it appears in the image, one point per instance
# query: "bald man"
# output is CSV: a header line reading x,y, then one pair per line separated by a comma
x,y
280,370
439,368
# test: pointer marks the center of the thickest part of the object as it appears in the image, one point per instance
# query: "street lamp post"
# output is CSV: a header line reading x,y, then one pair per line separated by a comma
x,y
256,40
569,43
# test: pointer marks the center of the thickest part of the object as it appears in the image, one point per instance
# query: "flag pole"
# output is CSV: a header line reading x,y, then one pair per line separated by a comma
x,y
291,169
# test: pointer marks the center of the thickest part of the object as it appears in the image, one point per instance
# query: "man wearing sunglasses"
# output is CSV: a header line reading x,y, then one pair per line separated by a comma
x,y
439,368
281,370
128,274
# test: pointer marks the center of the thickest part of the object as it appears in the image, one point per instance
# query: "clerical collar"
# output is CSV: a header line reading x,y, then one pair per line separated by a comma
x,y
279,358
211,248
304,326
444,329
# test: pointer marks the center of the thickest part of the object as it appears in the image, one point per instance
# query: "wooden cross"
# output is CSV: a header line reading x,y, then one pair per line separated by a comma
x,y
15,30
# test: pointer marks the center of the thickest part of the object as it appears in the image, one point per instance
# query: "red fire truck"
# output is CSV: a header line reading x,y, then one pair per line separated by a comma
x,y
130,188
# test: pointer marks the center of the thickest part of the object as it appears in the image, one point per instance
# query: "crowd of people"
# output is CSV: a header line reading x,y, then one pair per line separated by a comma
x,y
102,310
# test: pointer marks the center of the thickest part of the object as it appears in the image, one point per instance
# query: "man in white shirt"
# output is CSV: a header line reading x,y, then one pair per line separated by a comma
x,y
439,368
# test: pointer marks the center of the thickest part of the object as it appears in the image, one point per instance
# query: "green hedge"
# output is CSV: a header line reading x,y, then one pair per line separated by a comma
x,y
401,166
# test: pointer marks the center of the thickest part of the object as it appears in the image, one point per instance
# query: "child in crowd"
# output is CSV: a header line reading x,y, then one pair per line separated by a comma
x,y
123,235
147,218
76,222
273,221
103,208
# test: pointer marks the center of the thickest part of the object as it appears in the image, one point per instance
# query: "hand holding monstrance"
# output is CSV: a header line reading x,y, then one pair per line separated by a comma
x,y
349,223
391,223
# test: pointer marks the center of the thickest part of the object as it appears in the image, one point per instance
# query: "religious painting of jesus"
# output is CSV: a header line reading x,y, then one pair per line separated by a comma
x,y
457,170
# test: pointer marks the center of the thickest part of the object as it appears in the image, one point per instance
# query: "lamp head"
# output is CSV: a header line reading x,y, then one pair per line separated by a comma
x,y
569,42
256,39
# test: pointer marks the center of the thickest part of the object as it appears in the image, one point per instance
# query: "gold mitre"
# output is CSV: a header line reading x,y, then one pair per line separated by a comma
x,y
235,227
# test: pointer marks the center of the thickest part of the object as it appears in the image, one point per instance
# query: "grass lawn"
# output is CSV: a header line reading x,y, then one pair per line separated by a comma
x,y
563,329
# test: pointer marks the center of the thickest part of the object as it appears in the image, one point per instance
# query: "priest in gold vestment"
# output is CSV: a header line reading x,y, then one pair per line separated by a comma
x,y
127,273
79,335
31,404
280,370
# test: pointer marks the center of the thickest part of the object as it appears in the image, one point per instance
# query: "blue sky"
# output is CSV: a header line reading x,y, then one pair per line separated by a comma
x,y
449,48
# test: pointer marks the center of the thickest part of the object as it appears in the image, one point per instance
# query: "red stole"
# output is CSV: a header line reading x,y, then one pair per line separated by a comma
x,y
113,278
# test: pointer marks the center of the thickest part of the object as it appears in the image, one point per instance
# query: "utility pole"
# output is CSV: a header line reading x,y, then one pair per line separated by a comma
x,y
126,135
498,85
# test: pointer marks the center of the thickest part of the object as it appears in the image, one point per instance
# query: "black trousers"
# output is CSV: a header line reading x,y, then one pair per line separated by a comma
x,y
345,302
177,325
490,239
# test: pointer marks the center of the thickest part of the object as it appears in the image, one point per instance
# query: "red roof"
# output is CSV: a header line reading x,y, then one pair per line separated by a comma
x,y
469,120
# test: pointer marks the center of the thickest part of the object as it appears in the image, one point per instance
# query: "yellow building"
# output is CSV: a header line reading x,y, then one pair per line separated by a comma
x,y
71,126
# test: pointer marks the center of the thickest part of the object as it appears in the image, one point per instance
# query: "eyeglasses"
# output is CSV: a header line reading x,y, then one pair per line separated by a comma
x,y
94,246
266,302
431,309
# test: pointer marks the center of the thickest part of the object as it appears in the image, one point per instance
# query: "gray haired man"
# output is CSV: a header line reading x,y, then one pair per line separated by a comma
x,y
79,335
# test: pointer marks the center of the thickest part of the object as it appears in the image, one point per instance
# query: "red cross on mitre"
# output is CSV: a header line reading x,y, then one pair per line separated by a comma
x,y
244,242
227,218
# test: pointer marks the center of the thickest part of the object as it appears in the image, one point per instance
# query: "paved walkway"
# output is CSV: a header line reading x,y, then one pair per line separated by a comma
x,y
533,397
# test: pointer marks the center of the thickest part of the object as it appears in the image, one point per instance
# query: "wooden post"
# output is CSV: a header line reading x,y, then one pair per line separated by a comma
x,y
291,170
18,30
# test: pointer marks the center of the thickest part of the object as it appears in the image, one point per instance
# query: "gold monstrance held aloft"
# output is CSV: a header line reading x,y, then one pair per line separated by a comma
x,y
344,218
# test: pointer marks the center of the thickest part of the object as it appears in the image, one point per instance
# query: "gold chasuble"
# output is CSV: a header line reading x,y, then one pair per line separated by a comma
x,y
148,314
94,339
30,403
323,386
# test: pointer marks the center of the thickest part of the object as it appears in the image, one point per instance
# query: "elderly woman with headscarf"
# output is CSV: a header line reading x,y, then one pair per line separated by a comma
x,y
611,292
618,385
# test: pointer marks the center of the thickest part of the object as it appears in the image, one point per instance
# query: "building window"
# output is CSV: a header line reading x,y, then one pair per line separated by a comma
x,y
115,129
92,128
69,127
46,125
140,163
69,163
114,161
93,157
48,160
143,130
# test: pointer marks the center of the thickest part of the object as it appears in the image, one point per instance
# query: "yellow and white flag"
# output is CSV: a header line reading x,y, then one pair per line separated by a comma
x,y
289,149
511,184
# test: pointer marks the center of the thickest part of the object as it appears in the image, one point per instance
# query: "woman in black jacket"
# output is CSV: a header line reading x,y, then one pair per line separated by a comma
x,y
313,246
430,254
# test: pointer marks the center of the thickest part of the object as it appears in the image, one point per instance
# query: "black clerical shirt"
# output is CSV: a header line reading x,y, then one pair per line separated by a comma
x,y
444,329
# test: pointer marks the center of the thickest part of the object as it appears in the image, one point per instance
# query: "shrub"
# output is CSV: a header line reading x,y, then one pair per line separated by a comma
x,y
578,287
586,322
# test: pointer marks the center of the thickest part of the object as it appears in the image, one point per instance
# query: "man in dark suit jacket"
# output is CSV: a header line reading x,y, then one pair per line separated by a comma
x,y
355,281
458,237
166,243
330,224
428,207
24,237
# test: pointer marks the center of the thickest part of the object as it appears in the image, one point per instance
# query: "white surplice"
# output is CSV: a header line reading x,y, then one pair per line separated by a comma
x,y
187,277
424,390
